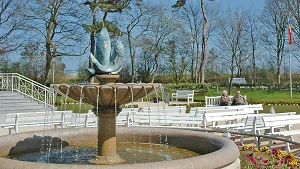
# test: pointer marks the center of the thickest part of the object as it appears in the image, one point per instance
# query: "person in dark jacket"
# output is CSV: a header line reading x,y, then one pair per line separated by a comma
x,y
224,99
238,99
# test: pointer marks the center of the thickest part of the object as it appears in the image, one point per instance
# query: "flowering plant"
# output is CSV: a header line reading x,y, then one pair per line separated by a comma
x,y
265,158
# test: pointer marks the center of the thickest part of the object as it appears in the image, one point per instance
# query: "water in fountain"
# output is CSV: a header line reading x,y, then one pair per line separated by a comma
x,y
132,153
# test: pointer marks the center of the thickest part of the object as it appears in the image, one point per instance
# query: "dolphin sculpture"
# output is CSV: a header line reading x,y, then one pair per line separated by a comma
x,y
108,60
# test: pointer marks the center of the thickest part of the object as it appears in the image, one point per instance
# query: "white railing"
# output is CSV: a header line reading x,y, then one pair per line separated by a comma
x,y
15,82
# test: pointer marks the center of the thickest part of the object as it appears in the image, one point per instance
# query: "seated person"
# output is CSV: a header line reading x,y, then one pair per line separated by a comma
x,y
224,99
238,99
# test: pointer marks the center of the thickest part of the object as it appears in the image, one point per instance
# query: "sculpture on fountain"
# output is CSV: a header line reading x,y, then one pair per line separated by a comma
x,y
108,60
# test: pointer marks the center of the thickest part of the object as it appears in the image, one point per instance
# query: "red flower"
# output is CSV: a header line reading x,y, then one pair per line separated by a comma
x,y
265,161
274,151
253,160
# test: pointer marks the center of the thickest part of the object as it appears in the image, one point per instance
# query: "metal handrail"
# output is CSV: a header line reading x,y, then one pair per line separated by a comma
x,y
15,82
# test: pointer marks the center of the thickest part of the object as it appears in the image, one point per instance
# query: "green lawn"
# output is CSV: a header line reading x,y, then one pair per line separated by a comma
x,y
279,99
261,95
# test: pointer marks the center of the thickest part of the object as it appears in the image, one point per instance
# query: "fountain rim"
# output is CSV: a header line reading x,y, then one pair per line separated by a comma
x,y
110,85
219,157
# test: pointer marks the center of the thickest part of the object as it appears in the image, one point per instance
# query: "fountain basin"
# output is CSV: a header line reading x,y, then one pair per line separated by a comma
x,y
218,152
107,95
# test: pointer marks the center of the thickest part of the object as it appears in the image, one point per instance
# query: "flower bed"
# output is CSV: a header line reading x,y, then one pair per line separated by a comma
x,y
265,158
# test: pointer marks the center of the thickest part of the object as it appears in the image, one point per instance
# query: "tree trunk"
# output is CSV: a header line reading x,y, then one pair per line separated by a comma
x,y
48,65
156,67
92,40
132,55
204,43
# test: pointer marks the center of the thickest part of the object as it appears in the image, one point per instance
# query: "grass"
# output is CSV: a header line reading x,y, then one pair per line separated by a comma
x,y
259,95
282,108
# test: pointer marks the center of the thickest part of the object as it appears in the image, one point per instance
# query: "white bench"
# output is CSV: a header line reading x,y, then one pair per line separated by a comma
x,y
14,121
169,118
196,110
183,94
215,100
83,120
165,116
228,116
280,122
255,123
126,116
254,107
164,109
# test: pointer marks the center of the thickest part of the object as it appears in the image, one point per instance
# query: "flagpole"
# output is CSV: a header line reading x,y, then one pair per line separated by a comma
x,y
290,57
291,84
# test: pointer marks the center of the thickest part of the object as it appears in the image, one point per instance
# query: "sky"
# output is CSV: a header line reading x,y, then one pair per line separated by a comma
x,y
233,4
72,63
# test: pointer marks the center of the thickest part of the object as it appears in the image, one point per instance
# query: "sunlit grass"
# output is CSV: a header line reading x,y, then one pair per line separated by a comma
x,y
260,94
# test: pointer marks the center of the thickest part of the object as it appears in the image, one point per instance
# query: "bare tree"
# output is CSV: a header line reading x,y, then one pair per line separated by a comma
x,y
293,7
32,60
253,27
57,23
10,25
139,20
145,62
177,58
204,43
275,19
232,41
191,12
197,16
163,24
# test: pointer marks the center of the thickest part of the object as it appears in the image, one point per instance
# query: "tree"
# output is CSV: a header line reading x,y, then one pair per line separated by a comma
x,y
33,61
58,24
177,58
294,20
11,25
252,17
191,13
199,29
232,41
139,20
145,64
275,19
212,68
204,43
163,24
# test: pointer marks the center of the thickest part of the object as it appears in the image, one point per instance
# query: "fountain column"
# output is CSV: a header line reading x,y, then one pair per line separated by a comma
x,y
107,153
107,148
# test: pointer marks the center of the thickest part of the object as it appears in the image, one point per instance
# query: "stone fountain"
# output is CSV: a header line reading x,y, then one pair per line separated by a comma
x,y
106,97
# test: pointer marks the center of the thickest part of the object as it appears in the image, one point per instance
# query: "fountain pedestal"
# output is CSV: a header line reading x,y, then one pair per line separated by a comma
x,y
107,136
106,98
